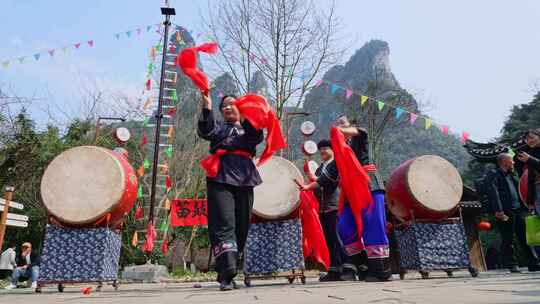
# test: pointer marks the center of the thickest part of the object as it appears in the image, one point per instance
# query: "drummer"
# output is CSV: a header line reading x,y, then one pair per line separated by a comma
x,y
230,192
325,186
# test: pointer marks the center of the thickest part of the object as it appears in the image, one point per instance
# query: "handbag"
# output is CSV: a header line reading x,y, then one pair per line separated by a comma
x,y
532,226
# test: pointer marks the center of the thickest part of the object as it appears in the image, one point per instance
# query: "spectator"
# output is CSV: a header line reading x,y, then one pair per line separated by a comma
x,y
28,267
532,161
510,212
7,261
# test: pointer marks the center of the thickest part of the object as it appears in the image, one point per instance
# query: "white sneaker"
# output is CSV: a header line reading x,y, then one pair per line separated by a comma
x,y
11,286
34,285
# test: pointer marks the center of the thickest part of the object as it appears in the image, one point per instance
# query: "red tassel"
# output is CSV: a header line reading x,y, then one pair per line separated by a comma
x,y
168,182
139,213
148,245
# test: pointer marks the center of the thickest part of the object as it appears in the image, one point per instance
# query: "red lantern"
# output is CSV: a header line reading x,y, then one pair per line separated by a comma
x,y
483,226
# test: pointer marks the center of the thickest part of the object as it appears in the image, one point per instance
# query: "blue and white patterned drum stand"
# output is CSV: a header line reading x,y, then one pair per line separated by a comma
x,y
79,255
434,246
274,246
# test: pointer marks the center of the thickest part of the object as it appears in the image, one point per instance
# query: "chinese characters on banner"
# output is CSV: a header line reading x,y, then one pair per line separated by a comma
x,y
189,212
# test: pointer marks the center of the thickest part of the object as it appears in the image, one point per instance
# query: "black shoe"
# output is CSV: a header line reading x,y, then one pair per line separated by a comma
x,y
331,276
348,275
514,269
534,268
226,285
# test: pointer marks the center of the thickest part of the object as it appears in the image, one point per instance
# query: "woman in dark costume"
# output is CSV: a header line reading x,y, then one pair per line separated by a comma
x,y
531,159
231,176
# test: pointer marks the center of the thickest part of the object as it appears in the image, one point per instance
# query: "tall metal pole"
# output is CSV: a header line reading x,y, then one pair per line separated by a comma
x,y
167,11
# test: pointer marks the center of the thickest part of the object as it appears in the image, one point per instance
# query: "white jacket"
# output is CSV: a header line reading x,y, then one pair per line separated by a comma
x,y
7,260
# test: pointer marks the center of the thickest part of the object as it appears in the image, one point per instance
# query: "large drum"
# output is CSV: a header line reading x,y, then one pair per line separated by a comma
x,y
425,187
89,186
278,195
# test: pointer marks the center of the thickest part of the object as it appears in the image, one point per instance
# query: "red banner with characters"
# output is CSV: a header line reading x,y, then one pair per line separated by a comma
x,y
189,212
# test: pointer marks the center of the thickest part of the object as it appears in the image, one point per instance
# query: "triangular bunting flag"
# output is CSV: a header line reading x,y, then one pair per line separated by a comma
x,y
148,28
77,45
511,152
51,52
139,192
146,121
139,31
429,122
36,56
171,111
90,43
348,94
169,152
445,129
170,132
413,118
146,164
167,204
168,182
144,140
178,37
363,100
21,59
264,61
399,112
148,85
164,247
464,137
175,78
117,35
164,225
159,47
174,96
135,239
148,245
318,83
128,33
153,52
380,105
333,88
164,168
147,103
140,171
138,212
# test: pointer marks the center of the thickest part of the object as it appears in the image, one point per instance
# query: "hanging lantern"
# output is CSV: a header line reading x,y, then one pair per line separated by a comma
x,y
483,225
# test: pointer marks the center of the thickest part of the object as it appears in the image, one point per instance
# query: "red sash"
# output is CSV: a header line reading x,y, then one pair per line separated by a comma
x,y
212,162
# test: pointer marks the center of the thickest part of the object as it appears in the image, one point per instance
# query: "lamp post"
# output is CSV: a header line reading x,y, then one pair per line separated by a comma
x,y
168,12
288,118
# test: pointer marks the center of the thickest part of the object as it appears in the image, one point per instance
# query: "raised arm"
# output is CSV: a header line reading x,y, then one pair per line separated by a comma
x,y
206,125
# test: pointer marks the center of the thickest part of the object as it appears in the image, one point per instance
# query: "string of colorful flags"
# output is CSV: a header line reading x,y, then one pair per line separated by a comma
x,y
6,63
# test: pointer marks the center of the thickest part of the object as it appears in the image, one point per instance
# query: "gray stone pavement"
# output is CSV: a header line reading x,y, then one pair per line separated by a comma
x,y
489,287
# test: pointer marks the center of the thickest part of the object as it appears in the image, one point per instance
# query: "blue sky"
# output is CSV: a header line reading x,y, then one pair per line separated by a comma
x,y
471,60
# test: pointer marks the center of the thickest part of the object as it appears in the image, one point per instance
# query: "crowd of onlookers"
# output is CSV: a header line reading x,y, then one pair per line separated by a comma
x,y
24,265
505,202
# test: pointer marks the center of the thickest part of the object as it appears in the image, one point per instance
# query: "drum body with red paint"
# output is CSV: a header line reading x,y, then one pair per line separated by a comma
x,y
426,187
89,186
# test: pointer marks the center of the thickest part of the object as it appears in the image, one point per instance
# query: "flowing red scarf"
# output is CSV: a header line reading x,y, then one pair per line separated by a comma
x,y
313,241
354,180
259,113
187,60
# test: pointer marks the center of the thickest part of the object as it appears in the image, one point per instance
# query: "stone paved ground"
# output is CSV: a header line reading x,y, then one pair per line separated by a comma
x,y
489,287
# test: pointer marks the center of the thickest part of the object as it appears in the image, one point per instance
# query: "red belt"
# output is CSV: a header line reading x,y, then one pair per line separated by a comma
x,y
212,162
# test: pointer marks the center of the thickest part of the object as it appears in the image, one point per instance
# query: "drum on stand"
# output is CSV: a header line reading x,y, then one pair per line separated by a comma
x,y
278,195
89,186
307,128
425,187
309,148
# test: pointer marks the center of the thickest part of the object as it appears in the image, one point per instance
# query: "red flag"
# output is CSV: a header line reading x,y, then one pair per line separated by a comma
x,y
148,245
144,140
164,247
168,182
354,180
139,212
260,114
148,84
187,60
313,240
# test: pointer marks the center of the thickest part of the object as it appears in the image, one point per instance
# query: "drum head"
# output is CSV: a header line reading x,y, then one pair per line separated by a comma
x,y
435,183
312,165
82,184
278,195
307,128
310,147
